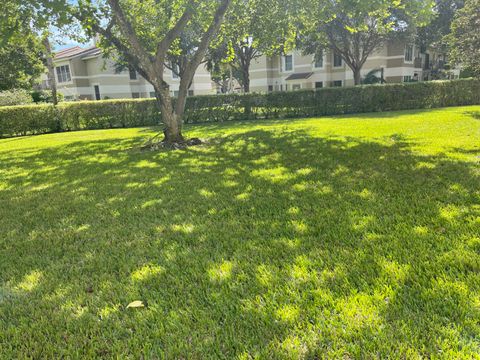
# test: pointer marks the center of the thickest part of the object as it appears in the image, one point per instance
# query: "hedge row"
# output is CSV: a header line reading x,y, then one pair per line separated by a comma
x,y
36,119
15,97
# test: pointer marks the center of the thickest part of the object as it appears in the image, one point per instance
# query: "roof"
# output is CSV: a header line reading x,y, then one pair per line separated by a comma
x,y
77,51
299,76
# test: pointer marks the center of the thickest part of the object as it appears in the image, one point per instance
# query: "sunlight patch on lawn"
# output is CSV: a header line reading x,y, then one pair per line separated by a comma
x,y
304,171
302,270
421,230
146,164
288,313
151,203
362,222
293,348
183,228
277,174
162,180
450,212
30,281
146,272
299,226
264,275
243,196
360,311
108,311
206,193
221,272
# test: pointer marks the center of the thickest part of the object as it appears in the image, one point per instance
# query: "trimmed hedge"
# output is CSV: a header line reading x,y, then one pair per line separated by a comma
x,y
36,119
15,97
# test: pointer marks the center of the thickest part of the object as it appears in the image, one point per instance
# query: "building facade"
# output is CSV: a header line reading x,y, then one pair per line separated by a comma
x,y
84,74
395,61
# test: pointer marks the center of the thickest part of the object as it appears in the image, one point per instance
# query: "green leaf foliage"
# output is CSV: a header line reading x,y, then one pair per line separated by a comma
x,y
23,120
464,39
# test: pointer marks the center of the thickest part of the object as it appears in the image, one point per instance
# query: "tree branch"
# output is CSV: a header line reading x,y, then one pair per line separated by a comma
x,y
128,31
192,66
173,33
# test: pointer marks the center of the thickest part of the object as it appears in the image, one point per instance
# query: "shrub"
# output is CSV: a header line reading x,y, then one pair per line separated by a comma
x,y
28,119
108,114
15,97
45,96
18,120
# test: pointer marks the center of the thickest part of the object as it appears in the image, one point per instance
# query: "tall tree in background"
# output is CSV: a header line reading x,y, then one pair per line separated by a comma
x,y
354,29
144,33
464,39
253,28
48,61
25,50
433,34
21,49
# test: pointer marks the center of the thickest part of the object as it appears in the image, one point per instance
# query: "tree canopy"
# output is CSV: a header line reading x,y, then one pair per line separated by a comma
x,y
148,34
252,28
432,35
464,39
21,50
356,28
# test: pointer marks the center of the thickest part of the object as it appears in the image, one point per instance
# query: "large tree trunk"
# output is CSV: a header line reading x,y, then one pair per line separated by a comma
x,y
246,79
246,86
51,69
357,77
230,80
172,120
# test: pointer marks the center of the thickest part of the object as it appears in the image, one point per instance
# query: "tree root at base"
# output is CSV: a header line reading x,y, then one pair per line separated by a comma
x,y
152,145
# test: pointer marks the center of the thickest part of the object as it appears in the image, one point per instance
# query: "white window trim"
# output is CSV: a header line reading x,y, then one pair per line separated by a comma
x,y
324,60
333,62
405,53
71,74
136,75
282,65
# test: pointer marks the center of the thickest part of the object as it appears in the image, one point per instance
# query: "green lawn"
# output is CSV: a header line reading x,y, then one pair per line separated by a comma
x,y
341,237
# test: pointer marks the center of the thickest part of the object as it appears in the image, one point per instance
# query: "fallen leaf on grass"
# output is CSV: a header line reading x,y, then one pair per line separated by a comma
x,y
136,304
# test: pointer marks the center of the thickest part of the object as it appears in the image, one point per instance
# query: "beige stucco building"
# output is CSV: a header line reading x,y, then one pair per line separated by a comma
x,y
398,61
84,74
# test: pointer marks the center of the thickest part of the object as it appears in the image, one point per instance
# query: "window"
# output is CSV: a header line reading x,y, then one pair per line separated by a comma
x,y
319,60
152,94
296,87
270,88
96,88
190,93
407,78
132,73
409,53
175,93
337,83
135,95
337,60
319,85
288,63
63,74
175,71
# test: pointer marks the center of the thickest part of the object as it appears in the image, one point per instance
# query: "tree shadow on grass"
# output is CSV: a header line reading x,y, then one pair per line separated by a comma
x,y
270,244
473,114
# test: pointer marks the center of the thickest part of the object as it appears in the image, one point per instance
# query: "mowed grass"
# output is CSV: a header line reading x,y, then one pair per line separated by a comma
x,y
342,237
